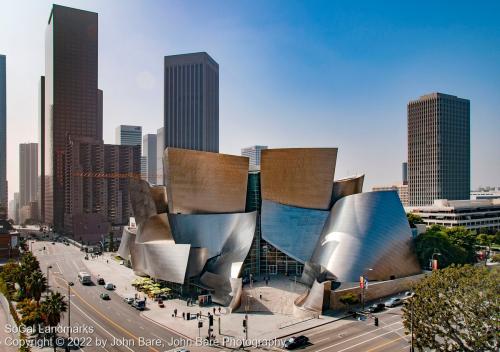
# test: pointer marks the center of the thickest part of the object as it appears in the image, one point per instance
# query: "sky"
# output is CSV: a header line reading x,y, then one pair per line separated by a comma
x,y
292,73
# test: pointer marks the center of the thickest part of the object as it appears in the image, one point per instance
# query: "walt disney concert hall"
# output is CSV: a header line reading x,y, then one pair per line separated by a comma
x,y
214,221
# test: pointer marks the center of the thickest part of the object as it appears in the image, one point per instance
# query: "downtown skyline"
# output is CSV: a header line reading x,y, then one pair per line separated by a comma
x,y
316,92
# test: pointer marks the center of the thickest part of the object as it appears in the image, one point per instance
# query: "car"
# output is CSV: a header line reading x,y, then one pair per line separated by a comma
x,y
139,304
129,300
160,304
294,342
393,302
109,286
100,281
408,293
378,307
53,243
104,296
122,262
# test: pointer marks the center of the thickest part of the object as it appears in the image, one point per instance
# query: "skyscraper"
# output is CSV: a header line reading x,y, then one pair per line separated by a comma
x,y
149,151
160,148
71,96
438,148
128,135
253,153
41,146
3,143
28,173
191,102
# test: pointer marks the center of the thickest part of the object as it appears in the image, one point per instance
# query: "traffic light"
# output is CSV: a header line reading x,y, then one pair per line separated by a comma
x,y
244,323
210,320
376,321
200,324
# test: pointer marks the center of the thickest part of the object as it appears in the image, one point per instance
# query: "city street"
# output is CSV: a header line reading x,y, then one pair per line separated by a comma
x,y
116,325
361,335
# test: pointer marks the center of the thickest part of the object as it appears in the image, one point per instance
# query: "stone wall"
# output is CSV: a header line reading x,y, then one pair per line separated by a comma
x,y
375,290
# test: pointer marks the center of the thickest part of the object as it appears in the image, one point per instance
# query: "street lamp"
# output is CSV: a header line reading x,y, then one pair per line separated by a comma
x,y
49,267
432,257
69,308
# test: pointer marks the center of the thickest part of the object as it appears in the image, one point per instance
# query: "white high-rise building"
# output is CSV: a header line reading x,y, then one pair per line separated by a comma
x,y
253,153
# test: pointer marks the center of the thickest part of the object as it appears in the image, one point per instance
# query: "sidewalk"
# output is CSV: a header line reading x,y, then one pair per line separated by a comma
x,y
272,320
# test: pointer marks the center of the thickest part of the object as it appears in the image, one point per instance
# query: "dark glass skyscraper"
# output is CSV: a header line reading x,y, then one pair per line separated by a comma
x,y
71,96
191,102
3,143
438,148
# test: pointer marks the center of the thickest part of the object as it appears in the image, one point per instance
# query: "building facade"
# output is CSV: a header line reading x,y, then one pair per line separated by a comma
x,y
438,148
160,148
97,179
401,189
3,139
149,151
191,102
253,153
128,135
28,174
41,147
472,214
71,55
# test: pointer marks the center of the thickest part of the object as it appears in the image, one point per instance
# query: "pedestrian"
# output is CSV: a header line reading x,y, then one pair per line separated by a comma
x,y
175,312
266,281
107,261
260,296
183,315
214,310
219,310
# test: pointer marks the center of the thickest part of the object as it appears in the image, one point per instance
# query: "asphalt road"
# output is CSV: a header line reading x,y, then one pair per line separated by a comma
x,y
360,336
111,325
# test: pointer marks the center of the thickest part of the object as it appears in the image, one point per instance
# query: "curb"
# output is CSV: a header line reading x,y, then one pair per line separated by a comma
x,y
314,327
166,328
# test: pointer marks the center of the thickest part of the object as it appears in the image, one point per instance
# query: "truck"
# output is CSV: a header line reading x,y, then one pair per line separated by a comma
x,y
139,303
84,278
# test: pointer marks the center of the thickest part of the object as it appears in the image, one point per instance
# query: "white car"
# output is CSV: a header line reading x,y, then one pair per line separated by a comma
x,y
109,286
393,302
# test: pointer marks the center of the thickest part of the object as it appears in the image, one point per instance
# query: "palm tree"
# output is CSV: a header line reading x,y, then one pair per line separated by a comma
x,y
52,308
36,284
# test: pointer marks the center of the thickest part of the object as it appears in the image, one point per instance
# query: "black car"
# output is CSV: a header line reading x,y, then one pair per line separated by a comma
x,y
100,281
294,342
376,308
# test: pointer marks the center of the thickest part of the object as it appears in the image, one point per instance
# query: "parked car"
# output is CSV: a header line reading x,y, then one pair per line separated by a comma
x,y
109,286
100,281
408,293
129,300
104,296
294,342
378,307
393,302
160,304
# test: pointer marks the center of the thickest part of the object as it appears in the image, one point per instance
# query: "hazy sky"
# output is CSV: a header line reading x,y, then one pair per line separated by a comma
x,y
292,73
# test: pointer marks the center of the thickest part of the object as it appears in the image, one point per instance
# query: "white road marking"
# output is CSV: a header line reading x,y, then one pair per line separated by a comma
x,y
362,342
96,323
358,336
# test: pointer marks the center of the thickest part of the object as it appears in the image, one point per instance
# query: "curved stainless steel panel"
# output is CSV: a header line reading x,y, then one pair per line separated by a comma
x,y
211,230
202,182
143,205
301,177
159,195
294,231
346,187
155,228
166,260
367,231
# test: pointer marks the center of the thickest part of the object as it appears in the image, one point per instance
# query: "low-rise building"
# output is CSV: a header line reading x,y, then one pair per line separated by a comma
x,y
401,188
472,214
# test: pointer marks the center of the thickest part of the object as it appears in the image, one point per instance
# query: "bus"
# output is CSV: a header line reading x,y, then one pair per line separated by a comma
x,y
84,278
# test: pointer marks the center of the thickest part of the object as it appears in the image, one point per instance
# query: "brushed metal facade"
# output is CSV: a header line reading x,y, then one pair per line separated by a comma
x,y
367,231
301,177
202,182
346,187
293,230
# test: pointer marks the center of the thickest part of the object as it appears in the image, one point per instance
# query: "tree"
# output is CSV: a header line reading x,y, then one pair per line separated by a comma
x,y
495,258
434,241
111,246
455,309
465,239
52,309
414,219
36,284
30,311
349,299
